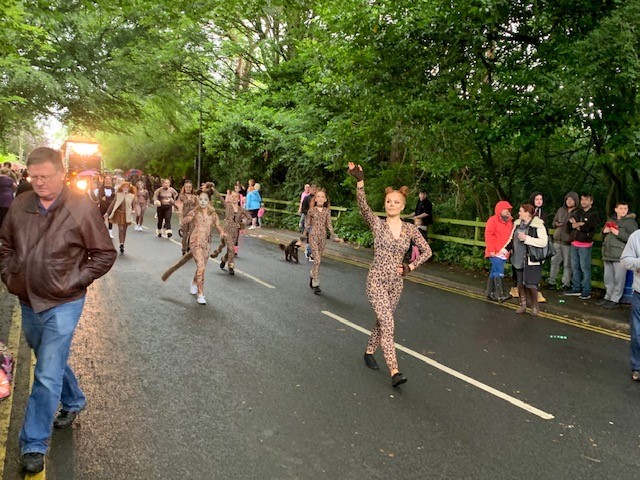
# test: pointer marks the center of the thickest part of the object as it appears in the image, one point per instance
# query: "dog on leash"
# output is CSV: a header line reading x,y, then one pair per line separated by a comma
x,y
291,250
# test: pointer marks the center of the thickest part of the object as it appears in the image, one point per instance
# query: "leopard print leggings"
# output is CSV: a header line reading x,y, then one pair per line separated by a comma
x,y
383,293
230,242
317,244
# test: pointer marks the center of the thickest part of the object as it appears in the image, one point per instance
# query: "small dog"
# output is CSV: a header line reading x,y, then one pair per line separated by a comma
x,y
291,250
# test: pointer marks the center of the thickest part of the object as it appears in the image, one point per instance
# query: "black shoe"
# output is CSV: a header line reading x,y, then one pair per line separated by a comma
x,y
601,303
550,286
33,462
222,264
64,419
169,235
159,235
316,290
370,361
398,379
310,282
122,248
572,293
610,304
231,272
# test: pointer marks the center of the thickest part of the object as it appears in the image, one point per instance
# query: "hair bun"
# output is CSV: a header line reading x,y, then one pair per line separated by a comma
x,y
404,190
388,190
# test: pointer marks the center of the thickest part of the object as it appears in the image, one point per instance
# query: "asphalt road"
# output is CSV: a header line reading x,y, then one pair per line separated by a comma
x,y
267,381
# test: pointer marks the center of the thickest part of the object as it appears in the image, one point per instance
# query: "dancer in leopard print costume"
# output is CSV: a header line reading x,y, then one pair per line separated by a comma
x,y
234,220
317,222
201,220
189,201
384,281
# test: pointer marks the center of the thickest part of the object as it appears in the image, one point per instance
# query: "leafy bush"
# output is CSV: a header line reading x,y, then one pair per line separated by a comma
x,y
470,258
352,227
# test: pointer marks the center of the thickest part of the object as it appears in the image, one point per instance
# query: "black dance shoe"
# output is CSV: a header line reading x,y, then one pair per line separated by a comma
x,y
370,361
398,379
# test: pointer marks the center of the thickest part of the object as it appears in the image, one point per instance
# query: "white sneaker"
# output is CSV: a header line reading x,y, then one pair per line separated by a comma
x,y
201,300
193,289
251,227
111,233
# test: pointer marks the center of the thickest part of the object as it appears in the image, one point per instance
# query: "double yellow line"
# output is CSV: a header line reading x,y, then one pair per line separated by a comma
x,y
459,291
6,406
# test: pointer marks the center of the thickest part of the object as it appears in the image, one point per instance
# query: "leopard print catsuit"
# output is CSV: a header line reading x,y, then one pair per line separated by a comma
x,y
384,284
317,222
188,203
232,226
201,225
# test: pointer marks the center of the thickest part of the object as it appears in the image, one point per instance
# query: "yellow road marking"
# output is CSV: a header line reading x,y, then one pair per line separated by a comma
x,y
454,373
567,321
7,405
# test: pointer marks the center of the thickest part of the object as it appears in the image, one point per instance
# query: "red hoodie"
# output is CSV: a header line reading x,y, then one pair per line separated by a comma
x,y
497,231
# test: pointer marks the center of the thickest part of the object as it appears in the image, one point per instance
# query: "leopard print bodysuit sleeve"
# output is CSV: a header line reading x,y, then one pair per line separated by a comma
x,y
423,246
187,219
365,210
309,221
328,222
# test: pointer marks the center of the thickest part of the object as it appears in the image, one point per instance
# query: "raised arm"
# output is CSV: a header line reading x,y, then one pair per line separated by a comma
x,y
356,172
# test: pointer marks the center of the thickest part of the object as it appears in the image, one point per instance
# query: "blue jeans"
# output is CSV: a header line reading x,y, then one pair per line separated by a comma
x,y
49,334
635,331
581,270
497,267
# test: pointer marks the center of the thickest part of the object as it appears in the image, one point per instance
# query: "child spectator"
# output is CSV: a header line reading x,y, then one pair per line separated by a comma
x,y
615,234
261,211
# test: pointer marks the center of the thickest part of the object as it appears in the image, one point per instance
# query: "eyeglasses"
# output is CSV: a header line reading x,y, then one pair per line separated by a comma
x,y
43,178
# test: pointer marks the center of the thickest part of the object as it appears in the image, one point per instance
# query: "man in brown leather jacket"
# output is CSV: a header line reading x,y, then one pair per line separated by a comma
x,y
53,245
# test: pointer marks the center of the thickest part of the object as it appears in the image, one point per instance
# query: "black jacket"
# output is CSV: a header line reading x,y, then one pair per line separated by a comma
x,y
591,220
424,206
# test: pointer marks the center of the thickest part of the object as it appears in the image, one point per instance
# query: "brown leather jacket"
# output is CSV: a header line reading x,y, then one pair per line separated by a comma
x,y
50,260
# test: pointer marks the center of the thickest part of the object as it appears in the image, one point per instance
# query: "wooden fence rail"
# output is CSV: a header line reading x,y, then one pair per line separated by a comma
x,y
475,241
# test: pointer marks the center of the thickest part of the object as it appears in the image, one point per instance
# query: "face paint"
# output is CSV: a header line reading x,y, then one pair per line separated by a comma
x,y
203,200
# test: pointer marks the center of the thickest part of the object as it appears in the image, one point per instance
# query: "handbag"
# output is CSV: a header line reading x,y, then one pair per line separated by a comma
x,y
540,254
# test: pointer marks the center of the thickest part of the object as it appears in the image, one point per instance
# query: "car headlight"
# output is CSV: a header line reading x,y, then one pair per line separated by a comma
x,y
82,185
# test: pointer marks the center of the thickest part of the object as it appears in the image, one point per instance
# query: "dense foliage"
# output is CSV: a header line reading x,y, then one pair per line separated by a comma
x,y
477,100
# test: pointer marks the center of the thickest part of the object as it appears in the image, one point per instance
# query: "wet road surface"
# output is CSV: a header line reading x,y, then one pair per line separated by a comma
x,y
267,381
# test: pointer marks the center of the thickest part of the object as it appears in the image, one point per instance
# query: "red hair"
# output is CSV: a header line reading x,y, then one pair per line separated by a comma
x,y
404,191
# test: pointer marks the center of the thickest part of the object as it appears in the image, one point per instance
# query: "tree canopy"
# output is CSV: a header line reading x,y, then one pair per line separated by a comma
x,y
478,100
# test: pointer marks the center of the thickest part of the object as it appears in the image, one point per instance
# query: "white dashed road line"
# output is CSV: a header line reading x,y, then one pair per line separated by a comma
x,y
453,373
255,279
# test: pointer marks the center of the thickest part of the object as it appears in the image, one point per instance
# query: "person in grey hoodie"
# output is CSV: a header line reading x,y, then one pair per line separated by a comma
x,y
630,260
615,234
562,242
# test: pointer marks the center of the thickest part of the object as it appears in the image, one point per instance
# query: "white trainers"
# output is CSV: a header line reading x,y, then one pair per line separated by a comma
x,y
193,289
201,300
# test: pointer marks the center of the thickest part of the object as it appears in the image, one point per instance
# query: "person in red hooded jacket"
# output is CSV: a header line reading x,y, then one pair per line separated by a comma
x,y
497,233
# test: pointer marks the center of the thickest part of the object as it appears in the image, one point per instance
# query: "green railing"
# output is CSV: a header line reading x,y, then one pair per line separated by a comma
x,y
475,241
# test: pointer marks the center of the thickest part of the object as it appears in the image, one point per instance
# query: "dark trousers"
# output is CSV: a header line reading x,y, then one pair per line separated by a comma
x,y
164,215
